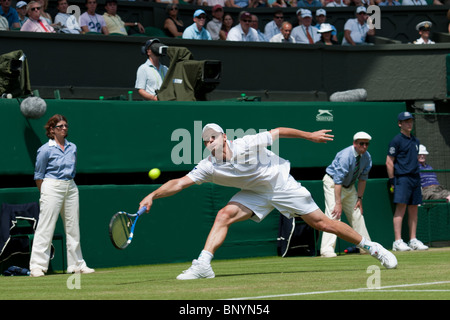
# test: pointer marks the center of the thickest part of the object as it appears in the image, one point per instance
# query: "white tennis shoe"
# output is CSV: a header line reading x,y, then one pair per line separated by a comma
x,y
198,270
387,259
400,245
416,244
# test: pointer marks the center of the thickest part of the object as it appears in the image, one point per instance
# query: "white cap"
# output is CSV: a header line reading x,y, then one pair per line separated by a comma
x,y
361,135
325,27
320,12
422,149
209,130
361,9
21,4
306,13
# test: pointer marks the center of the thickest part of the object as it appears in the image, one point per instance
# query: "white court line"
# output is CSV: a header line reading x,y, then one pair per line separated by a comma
x,y
347,290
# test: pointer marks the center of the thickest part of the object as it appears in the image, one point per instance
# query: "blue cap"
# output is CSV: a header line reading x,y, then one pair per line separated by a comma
x,y
199,12
404,116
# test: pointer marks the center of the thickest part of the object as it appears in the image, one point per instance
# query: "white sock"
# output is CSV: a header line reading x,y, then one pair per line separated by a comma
x,y
364,244
205,256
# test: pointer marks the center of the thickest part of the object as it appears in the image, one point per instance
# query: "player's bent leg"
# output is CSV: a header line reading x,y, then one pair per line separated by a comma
x,y
201,267
318,220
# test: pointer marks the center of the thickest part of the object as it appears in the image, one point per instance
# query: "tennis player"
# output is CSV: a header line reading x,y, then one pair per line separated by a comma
x,y
265,184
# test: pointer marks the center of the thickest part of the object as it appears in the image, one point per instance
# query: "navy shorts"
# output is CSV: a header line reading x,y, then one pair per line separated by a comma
x,y
407,189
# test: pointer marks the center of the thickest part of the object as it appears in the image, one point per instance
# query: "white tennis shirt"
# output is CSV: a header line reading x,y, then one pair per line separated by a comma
x,y
251,167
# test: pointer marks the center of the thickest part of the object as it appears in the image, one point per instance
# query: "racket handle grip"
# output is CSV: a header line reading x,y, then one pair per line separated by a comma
x,y
142,210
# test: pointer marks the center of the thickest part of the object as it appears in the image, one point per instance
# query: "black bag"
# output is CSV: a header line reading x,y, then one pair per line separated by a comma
x,y
296,238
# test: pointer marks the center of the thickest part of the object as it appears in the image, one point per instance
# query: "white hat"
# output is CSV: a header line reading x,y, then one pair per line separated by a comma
x,y
361,135
424,25
361,9
209,130
325,27
21,4
422,149
306,13
320,12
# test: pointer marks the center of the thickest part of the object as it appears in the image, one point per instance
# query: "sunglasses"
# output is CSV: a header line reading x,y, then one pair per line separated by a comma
x,y
364,144
62,126
279,17
173,8
247,21
201,17
35,9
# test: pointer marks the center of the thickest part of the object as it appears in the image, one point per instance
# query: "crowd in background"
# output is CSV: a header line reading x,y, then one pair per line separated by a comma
x,y
310,26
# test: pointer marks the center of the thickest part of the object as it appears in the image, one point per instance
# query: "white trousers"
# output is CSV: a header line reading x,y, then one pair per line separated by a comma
x,y
57,196
349,197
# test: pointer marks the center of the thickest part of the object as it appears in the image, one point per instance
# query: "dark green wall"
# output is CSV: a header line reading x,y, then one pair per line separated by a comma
x,y
122,136
177,227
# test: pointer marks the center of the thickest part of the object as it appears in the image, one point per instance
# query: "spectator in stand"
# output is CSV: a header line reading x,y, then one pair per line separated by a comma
x,y
197,30
44,14
10,14
387,3
326,37
321,17
309,3
226,26
336,3
173,26
212,3
21,8
280,4
273,27
4,25
66,22
414,3
36,23
431,188
424,29
305,33
285,34
90,21
215,24
356,30
168,1
243,31
113,21
242,3
255,25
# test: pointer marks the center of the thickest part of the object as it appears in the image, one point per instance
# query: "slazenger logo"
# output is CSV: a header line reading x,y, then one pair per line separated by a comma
x,y
324,115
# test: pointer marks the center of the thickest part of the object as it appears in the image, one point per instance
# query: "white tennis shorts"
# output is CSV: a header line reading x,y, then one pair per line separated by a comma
x,y
292,200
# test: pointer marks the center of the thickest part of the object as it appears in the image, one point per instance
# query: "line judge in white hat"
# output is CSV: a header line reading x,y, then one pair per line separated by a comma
x,y
350,165
265,184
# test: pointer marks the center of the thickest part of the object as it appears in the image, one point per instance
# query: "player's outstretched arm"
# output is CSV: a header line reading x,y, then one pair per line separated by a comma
x,y
320,136
168,189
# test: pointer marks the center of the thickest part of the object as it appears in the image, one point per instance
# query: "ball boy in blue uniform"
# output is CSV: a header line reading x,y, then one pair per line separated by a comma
x,y
404,177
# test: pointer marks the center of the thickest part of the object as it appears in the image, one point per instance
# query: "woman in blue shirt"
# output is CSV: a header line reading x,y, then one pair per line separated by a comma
x,y
54,173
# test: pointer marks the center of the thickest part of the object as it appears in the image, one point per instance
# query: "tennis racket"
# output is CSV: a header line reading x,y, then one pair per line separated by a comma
x,y
121,227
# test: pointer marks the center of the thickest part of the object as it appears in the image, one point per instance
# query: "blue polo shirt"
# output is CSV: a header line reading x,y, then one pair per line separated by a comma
x,y
343,166
192,32
12,16
405,150
52,162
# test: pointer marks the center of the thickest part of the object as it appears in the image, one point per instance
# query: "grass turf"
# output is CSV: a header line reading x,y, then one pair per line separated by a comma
x,y
420,275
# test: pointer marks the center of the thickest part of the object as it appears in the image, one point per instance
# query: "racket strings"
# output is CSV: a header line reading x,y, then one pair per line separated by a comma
x,y
120,229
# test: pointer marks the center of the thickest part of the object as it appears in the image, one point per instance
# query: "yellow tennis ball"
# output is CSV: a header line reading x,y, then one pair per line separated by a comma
x,y
154,173
391,189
